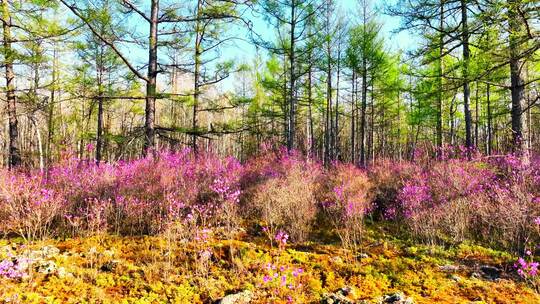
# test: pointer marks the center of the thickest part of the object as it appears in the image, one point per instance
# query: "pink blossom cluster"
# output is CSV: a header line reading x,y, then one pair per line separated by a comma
x,y
527,269
131,197
282,281
492,199
13,270
281,238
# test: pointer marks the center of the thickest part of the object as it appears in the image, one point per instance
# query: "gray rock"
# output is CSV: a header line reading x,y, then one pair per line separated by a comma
x,y
449,268
490,272
476,275
335,298
109,266
243,297
362,256
61,272
49,252
345,291
455,278
46,267
396,298
339,297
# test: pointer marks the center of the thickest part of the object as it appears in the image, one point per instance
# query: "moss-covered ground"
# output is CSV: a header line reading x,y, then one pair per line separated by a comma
x,y
113,269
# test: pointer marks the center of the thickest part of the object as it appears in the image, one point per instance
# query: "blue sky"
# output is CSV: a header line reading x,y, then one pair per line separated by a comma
x,y
349,9
242,51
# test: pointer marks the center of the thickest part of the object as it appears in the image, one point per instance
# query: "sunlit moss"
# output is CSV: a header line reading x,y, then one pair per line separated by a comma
x,y
153,270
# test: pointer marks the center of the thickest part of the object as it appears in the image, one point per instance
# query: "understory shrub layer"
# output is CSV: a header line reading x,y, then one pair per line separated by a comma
x,y
492,200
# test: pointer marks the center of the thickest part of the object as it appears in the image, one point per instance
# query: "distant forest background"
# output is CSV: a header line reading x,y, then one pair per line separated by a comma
x,y
115,79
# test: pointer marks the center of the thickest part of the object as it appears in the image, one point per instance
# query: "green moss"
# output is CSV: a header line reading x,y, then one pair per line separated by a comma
x,y
145,274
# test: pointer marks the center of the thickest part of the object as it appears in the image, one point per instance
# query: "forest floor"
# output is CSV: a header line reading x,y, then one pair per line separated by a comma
x,y
113,269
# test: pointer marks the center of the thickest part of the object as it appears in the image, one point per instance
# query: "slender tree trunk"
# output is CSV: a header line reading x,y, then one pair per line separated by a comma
x,y
99,127
489,122
39,142
40,148
476,116
150,110
99,130
453,121
529,126
310,134
14,155
371,148
196,76
353,118
328,113
399,126
440,78
336,111
292,97
466,88
31,116
363,117
52,101
286,101
174,88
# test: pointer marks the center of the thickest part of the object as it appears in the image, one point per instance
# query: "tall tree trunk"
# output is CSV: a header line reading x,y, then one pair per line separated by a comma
x,y
328,112
476,115
150,110
353,117
196,76
371,148
286,102
99,127
363,116
14,156
440,78
453,121
31,116
99,130
52,101
310,134
399,126
466,88
336,111
39,142
292,77
489,142
516,78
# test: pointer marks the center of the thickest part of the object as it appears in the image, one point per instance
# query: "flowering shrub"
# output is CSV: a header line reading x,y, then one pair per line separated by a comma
x,y
453,199
388,179
506,211
135,197
527,268
438,203
282,193
203,251
347,203
27,206
494,200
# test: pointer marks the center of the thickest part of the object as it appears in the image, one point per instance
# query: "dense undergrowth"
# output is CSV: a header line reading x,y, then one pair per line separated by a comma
x,y
174,222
